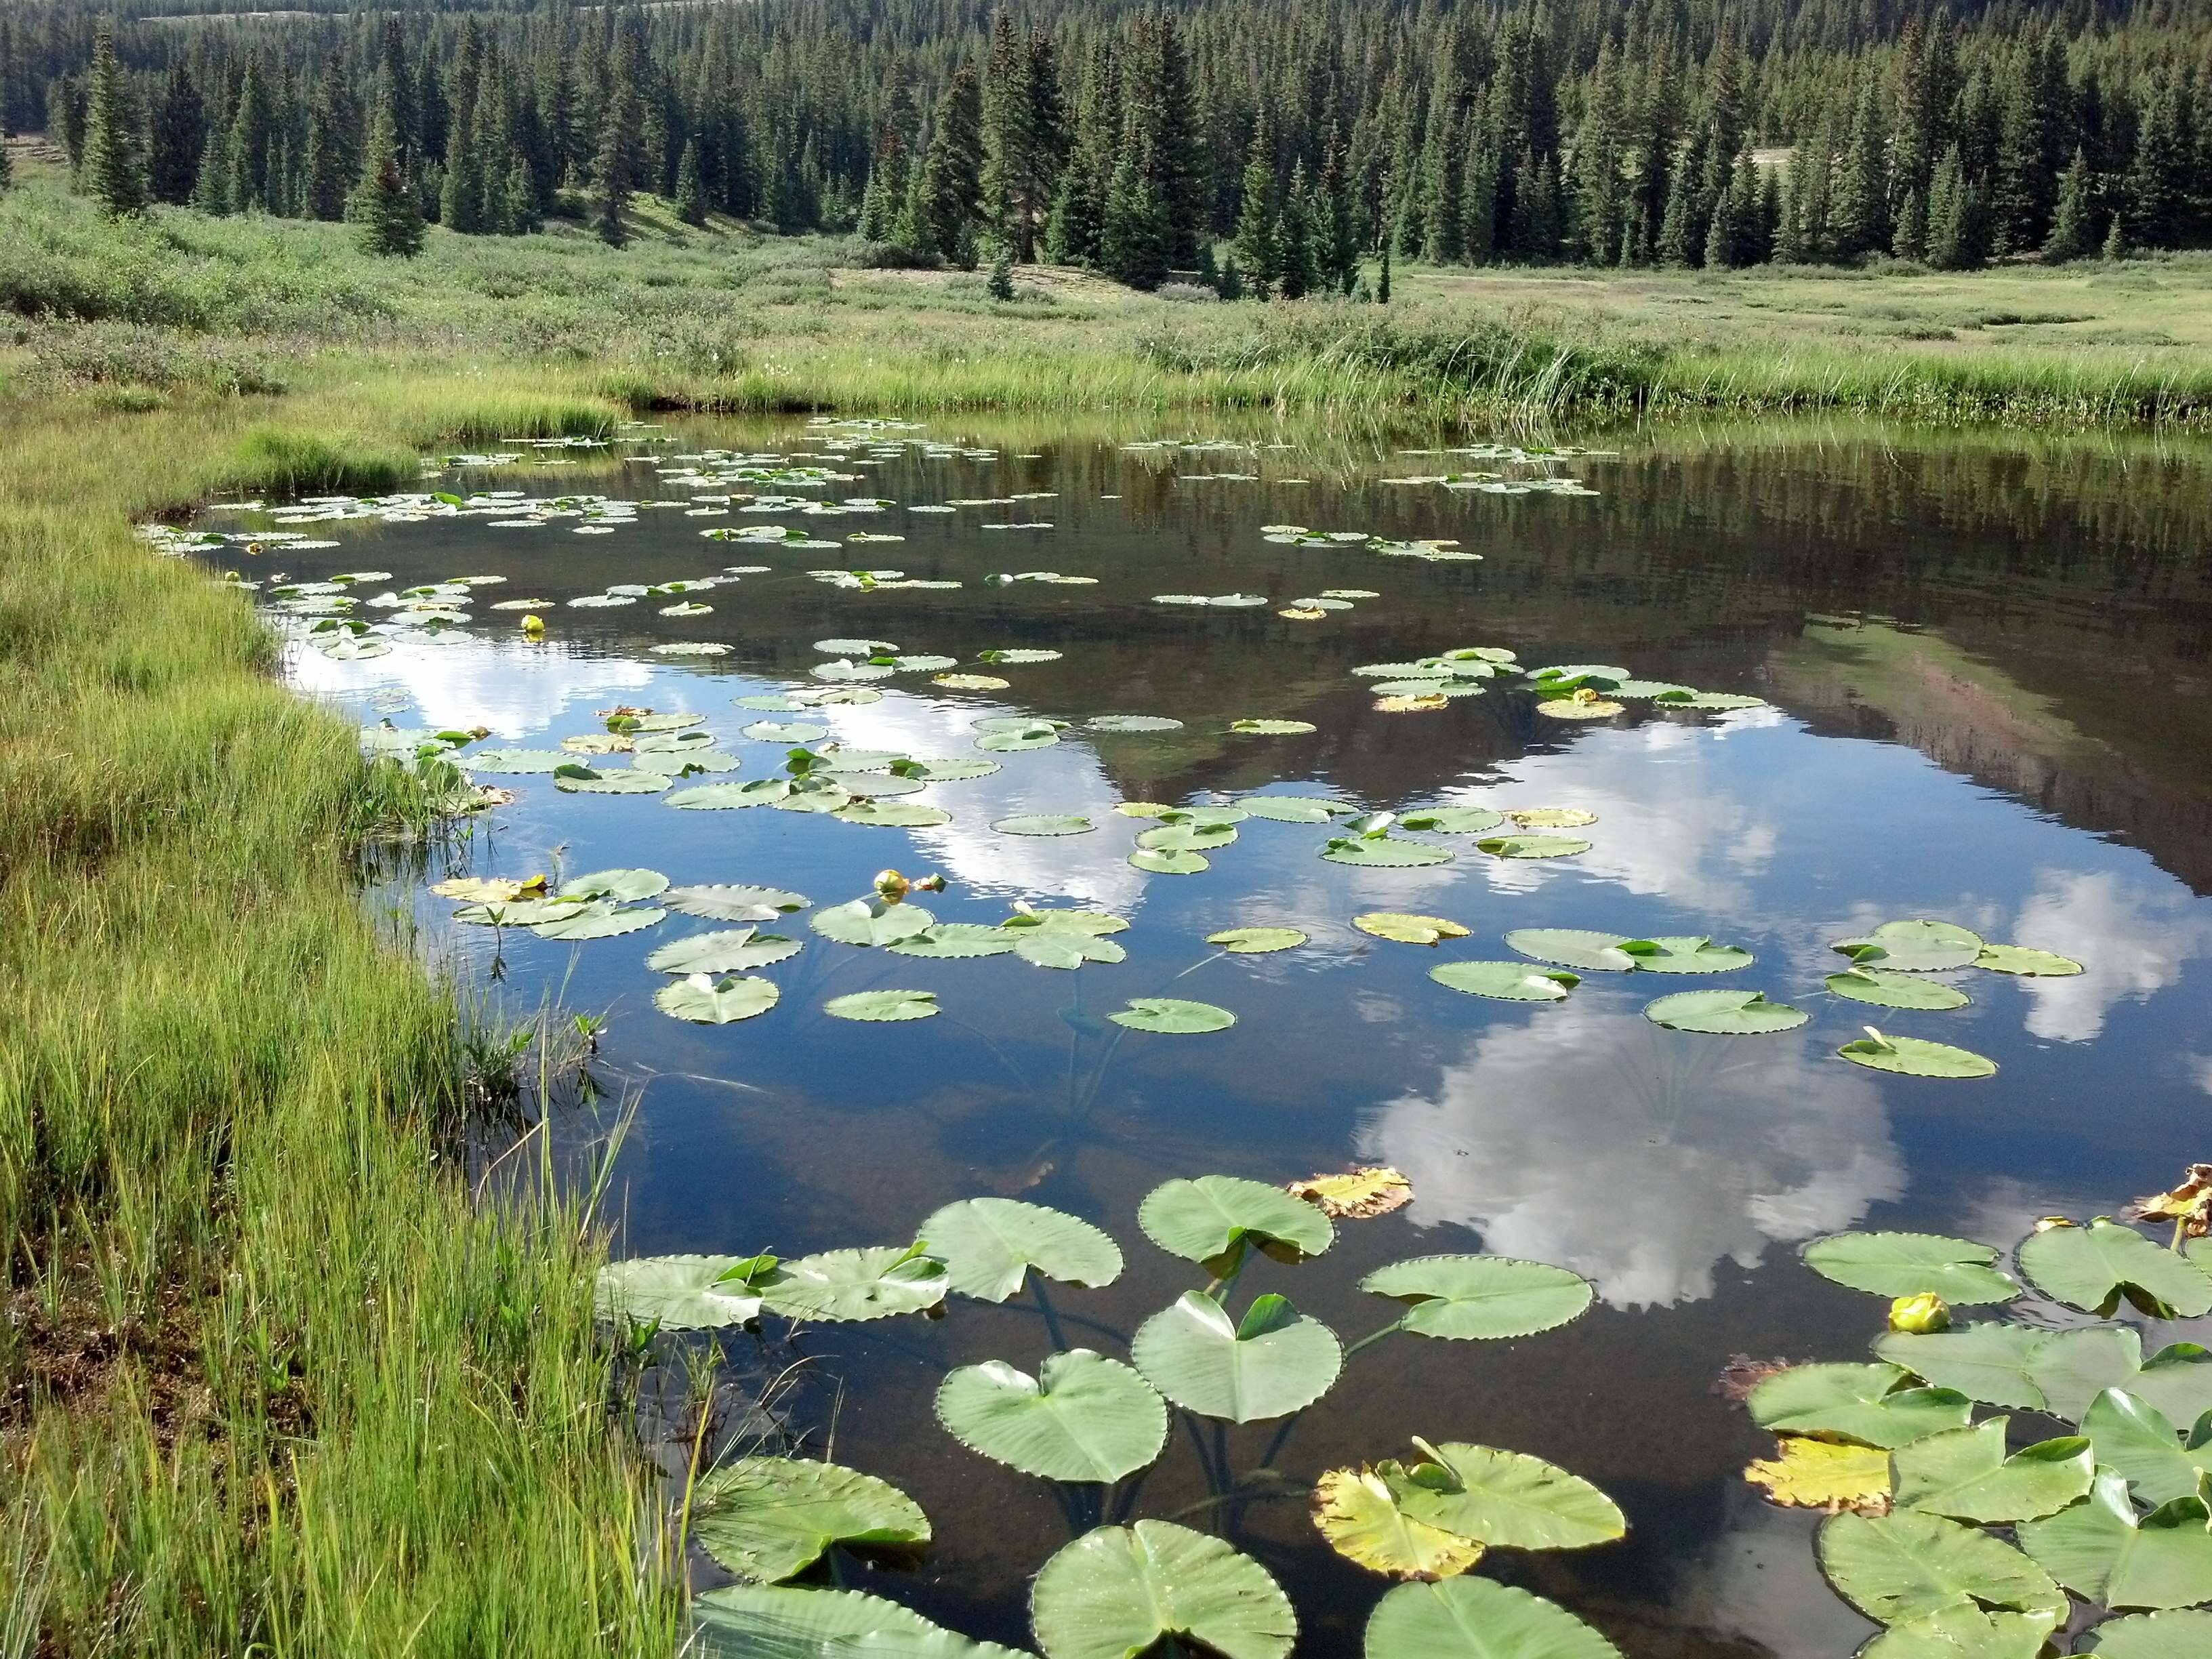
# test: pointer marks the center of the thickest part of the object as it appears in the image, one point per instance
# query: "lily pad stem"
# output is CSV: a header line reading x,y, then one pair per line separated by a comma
x,y
1374,1337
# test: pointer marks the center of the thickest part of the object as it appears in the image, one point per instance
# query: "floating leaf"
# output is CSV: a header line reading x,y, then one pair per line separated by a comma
x,y
724,902
1293,809
723,797
875,1283
1551,817
1823,1474
1383,851
499,761
1207,1219
1912,1264
2093,1268
1906,1565
1408,929
1871,1404
1117,1591
952,941
777,1621
1083,1417
683,1292
625,885
1962,1630
1359,1194
1358,1514
1173,1016
2135,1439
1964,1473
735,951
706,1001
1044,824
870,921
1256,941
1506,1499
2172,1635
1992,1362
1170,863
1725,1013
989,1244
597,921
1886,987
1477,1618
1272,1362
1454,820
1272,728
1462,1298
1685,954
1573,947
1132,723
2072,1368
2019,959
589,781
786,732
1506,982
1913,947
892,814
882,1006
1531,846
2104,1552
1915,1057
768,1518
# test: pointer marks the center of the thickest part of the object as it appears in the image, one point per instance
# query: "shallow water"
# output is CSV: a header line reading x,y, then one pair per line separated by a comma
x,y
1985,669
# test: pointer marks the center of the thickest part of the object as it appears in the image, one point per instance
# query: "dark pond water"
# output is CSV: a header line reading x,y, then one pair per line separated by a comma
x,y
1987,699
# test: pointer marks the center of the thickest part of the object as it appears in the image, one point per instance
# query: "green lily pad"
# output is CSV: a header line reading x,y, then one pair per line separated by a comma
x,y
1573,947
1485,1298
733,951
1685,954
1886,987
499,761
1992,1362
1034,735
2136,1440
1294,809
1256,941
2094,1267
855,647
598,920
705,1000
1274,728
1206,1220
2021,959
1044,824
1507,982
892,814
1132,723
875,1283
1453,820
785,731
1272,1362
779,1621
1962,1630
726,797
1118,1591
1868,1405
870,921
2074,1367
1912,1264
627,886
768,1518
1475,1618
931,769
1506,1499
1383,851
1083,1417
733,902
1964,1473
2104,1552
1915,1057
1913,947
1725,1013
1171,862
683,1292
1907,1565
1530,846
883,1006
954,941
988,1246
591,781
1172,1015
2170,1635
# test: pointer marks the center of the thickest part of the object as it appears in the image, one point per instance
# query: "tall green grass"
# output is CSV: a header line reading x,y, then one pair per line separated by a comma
x,y
276,1385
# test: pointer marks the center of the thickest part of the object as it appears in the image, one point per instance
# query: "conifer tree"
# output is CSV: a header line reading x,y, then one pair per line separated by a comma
x,y
1953,217
461,199
1858,212
2157,183
1257,249
329,167
614,168
211,178
114,156
1136,241
2072,222
1300,273
383,204
179,133
1676,246
948,189
2116,242
690,186
252,127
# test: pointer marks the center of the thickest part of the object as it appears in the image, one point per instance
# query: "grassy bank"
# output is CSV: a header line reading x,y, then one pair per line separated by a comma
x,y
274,1384
726,320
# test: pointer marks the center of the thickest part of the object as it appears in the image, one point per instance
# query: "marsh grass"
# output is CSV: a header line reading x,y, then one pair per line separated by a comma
x,y
275,1382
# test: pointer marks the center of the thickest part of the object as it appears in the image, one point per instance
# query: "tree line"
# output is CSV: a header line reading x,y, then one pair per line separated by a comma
x,y
1267,146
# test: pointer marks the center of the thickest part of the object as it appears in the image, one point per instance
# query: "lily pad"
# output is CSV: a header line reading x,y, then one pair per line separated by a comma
x,y
875,1283
1964,1473
1408,929
1118,1591
883,1006
1684,954
785,732
870,921
1256,941
500,761
1992,1361
1823,1474
1471,1617
1083,1417
1915,1057
624,885
1531,846
1453,820
954,941
1725,1013
1044,824
1886,987
1906,1565
768,1518
598,920
1172,1016
683,1292
892,814
706,1001
1506,982
725,797
1208,1219
733,951
2104,1552
1272,728
733,902
1383,851
591,781
1133,723
1358,1513
1913,947
1271,1363
1912,1264
2093,1268
2172,1635
1506,1499
2136,1440
989,1245
2019,959
1294,809
1870,1405
1480,1298
1962,1630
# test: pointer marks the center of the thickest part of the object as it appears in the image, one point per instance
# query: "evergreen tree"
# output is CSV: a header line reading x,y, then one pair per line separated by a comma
x,y
1858,212
211,178
1301,272
1257,249
461,200
329,165
1232,285
2036,116
2158,183
2116,242
2073,223
691,187
615,167
114,156
383,204
948,189
1021,136
1000,285
179,133
1678,230
1724,234
1139,234
253,130
1954,241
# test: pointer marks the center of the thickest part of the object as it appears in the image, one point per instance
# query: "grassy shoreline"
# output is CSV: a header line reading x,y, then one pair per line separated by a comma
x,y
275,1384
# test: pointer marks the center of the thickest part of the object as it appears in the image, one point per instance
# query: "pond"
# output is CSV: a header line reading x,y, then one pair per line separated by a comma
x,y
1967,679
